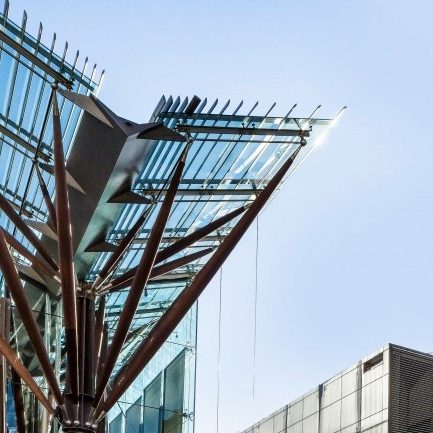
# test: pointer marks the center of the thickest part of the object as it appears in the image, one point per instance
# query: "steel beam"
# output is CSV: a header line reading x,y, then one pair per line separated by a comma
x,y
141,277
99,333
124,244
5,315
16,289
17,139
11,213
47,198
172,239
17,387
198,234
198,129
22,371
38,265
18,401
183,303
205,192
66,255
159,270
182,243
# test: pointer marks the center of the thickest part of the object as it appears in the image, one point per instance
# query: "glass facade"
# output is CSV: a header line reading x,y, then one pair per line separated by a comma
x,y
25,129
390,391
234,154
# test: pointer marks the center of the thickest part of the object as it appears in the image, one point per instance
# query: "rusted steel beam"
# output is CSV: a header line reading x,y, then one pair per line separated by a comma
x,y
22,371
99,332
81,315
198,234
37,264
141,277
89,346
47,198
102,354
12,214
18,401
121,248
185,242
16,289
163,269
65,249
85,309
180,307
17,388
5,315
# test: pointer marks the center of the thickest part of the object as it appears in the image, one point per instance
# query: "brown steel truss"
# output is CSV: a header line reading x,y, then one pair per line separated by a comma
x,y
82,401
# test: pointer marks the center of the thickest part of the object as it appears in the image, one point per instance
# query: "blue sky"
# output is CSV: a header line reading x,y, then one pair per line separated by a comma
x,y
346,252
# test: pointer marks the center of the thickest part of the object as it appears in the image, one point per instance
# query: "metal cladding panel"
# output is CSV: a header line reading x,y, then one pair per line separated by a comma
x,y
411,391
274,423
353,401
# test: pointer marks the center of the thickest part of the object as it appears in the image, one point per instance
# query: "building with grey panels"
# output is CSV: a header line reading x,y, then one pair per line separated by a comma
x,y
389,391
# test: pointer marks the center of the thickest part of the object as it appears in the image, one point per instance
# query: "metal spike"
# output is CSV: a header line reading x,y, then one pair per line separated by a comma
x,y
6,10
93,72
270,109
238,107
74,64
290,111
252,109
84,66
101,77
53,42
225,107
65,51
212,106
202,105
41,27
24,22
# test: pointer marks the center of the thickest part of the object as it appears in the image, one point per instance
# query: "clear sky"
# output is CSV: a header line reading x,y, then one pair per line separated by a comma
x,y
346,251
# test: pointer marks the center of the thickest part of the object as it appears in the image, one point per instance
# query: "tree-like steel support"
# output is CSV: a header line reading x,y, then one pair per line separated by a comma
x,y
82,404
65,252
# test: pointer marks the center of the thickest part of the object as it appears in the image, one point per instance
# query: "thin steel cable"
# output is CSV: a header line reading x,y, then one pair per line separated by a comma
x,y
255,306
219,351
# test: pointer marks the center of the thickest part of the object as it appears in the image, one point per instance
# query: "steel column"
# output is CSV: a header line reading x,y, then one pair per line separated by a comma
x,y
99,333
66,255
